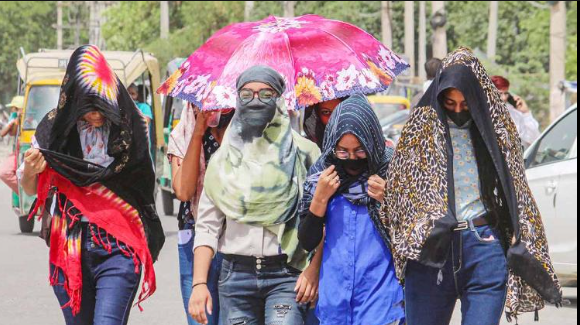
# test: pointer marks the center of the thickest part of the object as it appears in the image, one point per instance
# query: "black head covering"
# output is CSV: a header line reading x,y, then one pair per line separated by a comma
x,y
90,84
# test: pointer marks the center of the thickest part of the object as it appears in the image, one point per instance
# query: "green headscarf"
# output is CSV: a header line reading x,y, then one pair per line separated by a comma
x,y
257,179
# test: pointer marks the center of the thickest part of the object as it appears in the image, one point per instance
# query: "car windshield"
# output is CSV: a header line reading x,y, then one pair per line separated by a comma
x,y
385,110
41,99
397,117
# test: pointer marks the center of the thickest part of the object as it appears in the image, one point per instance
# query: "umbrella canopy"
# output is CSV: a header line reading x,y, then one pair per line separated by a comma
x,y
321,59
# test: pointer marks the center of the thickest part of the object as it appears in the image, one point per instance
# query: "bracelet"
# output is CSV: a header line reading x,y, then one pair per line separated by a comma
x,y
198,284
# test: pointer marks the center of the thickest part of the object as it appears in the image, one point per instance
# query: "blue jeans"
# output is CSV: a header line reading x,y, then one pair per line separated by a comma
x,y
476,273
185,248
256,297
109,284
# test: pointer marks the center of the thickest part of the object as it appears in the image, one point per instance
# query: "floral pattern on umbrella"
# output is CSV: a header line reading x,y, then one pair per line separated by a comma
x,y
321,59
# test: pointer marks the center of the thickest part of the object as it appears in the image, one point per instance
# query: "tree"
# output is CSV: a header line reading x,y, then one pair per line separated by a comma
x,y
386,24
440,34
557,58
492,31
27,25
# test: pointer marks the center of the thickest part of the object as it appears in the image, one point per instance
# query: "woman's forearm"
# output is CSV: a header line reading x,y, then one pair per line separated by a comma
x,y
186,177
202,262
29,184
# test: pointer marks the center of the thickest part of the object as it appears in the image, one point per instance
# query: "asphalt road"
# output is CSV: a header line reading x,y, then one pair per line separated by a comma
x,y
26,297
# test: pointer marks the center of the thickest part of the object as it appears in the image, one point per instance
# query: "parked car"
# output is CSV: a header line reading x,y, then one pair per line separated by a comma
x,y
551,164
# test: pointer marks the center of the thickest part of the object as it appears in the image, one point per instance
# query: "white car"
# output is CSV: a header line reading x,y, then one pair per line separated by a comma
x,y
551,164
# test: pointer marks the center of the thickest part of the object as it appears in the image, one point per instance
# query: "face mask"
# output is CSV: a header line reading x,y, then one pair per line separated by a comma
x,y
355,165
254,117
460,119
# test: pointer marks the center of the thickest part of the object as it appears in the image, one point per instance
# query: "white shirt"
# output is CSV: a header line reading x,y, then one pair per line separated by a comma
x,y
214,230
528,127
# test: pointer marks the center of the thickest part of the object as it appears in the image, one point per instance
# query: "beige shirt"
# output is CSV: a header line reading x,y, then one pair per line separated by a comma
x,y
227,236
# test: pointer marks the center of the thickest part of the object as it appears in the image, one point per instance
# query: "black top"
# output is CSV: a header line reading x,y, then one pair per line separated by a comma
x,y
311,231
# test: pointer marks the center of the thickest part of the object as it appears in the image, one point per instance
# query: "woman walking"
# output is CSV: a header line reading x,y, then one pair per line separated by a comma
x,y
92,159
342,198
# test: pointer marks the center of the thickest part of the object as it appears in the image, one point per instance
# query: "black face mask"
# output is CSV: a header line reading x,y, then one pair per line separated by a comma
x,y
255,117
356,165
460,119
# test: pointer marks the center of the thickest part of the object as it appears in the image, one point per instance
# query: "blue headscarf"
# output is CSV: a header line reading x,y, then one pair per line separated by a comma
x,y
353,116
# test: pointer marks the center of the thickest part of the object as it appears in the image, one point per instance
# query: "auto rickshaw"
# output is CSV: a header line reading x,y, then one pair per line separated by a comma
x,y
172,108
40,78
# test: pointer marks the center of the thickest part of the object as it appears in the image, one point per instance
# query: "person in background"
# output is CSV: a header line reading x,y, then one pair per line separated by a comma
x,y
528,127
138,94
317,118
432,66
9,165
193,135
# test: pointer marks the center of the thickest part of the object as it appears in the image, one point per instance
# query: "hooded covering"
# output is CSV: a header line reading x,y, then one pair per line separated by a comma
x,y
353,116
257,174
313,126
420,199
116,196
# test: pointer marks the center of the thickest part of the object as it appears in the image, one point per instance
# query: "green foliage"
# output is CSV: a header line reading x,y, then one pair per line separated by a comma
x,y
24,24
131,24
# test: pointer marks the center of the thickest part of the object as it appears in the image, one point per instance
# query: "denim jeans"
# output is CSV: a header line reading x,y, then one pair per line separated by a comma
x,y
185,247
109,284
256,297
476,273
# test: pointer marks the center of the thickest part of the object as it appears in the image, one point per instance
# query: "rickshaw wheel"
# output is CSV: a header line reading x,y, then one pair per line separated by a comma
x,y
26,226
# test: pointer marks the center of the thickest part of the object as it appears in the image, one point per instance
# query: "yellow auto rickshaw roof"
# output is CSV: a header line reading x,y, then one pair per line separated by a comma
x,y
51,64
380,99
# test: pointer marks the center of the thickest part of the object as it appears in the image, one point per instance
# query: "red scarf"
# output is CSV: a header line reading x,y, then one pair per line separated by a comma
x,y
107,211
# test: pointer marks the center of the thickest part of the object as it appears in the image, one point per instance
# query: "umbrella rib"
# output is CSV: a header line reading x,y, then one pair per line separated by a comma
x,y
287,38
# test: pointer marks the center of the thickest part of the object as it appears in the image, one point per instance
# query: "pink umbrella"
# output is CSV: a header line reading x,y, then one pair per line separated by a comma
x,y
321,59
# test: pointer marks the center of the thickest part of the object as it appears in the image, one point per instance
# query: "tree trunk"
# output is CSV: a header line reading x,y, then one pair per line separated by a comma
x,y
59,25
249,7
386,26
422,40
440,34
492,31
557,59
410,35
164,20
289,8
